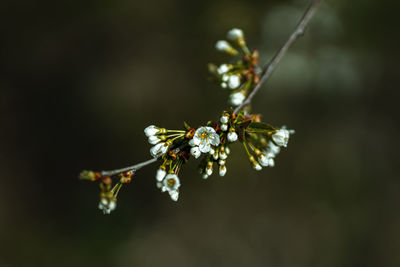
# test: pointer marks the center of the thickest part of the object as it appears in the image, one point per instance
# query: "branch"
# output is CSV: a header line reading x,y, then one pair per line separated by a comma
x,y
266,73
133,168
270,67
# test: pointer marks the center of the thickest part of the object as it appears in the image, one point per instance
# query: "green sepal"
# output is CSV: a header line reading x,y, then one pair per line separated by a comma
x,y
187,127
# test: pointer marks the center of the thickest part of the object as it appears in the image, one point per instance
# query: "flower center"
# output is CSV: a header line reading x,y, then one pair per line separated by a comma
x,y
171,182
204,136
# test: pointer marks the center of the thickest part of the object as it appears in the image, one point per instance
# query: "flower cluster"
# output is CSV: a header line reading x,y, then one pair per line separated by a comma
x,y
241,76
210,142
261,141
108,192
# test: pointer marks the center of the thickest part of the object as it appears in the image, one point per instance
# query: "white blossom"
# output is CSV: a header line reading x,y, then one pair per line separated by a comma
x,y
235,34
281,137
154,140
234,81
224,68
222,170
160,174
221,162
227,150
107,205
159,149
236,99
205,137
266,160
224,85
272,148
171,183
205,176
195,151
232,136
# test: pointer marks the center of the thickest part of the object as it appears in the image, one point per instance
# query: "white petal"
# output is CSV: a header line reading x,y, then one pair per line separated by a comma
x,y
205,147
195,151
174,195
214,139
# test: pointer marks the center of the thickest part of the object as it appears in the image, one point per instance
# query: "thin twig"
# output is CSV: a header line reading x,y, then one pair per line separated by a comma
x,y
133,168
270,67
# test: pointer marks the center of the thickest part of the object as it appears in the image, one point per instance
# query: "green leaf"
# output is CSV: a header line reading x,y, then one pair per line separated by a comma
x,y
260,127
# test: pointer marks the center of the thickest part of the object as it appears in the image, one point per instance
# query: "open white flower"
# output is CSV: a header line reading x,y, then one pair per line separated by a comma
x,y
272,148
204,138
170,183
107,205
281,137
236,99
266,160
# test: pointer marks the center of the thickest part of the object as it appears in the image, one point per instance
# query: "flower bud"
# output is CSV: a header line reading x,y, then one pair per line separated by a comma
x,y
236,99
154,140
151,130
209,168
234,81
224,127
160,174
224,119
235,34
222,170
224,46
232,136
159,149
281,137
224,68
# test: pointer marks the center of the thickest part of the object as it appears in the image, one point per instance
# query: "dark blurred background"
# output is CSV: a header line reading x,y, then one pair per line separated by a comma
x,y
80,80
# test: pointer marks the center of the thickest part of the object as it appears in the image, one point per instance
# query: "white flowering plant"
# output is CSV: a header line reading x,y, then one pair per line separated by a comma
x,y
211,142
